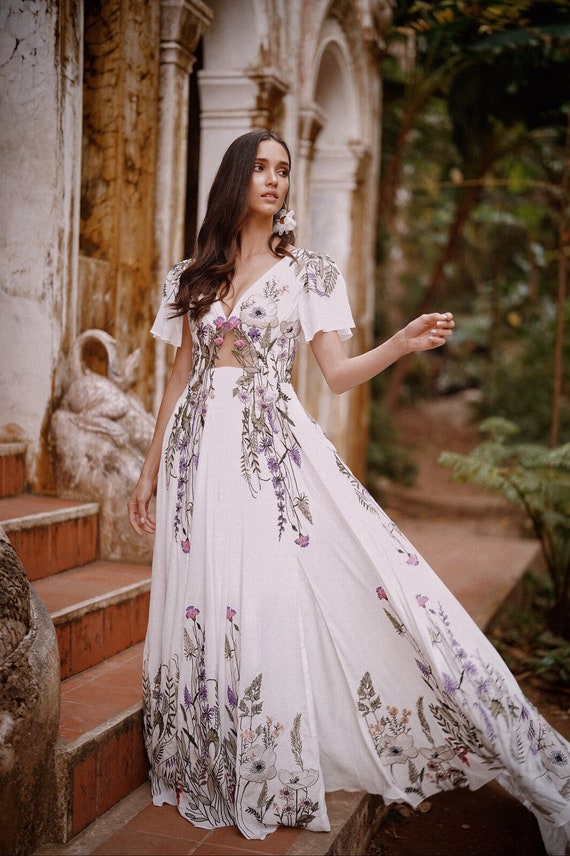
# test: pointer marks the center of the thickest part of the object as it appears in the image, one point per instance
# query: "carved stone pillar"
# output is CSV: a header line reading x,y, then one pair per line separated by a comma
x,y
182,24
334,182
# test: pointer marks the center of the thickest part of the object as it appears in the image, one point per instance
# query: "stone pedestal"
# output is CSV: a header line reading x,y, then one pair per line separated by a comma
x,y
29,708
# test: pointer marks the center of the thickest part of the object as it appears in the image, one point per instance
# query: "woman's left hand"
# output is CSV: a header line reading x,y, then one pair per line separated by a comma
x,y
428,331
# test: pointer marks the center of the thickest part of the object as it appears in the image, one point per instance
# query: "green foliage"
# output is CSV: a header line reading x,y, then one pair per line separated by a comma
x,y
522,637
538,480
386,457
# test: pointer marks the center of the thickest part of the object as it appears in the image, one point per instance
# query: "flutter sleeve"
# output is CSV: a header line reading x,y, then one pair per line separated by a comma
x,y
166,327
323,301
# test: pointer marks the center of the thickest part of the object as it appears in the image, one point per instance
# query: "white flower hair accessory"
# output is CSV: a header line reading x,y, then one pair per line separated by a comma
x,y
284,222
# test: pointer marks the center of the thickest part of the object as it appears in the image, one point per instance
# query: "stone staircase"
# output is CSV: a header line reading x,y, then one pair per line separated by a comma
x,y
100,612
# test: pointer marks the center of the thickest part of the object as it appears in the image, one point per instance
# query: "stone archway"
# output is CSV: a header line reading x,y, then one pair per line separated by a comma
x,y
336,159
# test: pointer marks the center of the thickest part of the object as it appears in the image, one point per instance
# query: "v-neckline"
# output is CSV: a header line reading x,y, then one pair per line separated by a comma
x,y
240,299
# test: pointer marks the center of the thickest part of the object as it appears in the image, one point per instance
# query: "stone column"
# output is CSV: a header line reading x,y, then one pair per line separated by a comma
x,y
40,141
334,183
182,24
233,102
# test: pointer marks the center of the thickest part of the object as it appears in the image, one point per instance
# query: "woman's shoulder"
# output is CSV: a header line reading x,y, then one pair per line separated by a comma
x,y
321,263
173,276
317,271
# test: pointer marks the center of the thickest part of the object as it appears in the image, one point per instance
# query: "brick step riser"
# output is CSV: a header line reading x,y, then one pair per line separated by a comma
x,y
96,772
98,769
12,473
50,548
99,633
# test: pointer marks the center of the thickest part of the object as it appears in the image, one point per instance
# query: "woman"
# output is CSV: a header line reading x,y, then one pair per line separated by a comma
x,y
297,642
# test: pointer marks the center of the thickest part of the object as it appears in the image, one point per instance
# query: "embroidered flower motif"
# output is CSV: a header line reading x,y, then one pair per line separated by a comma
x,y
557,762
185,546
259,764
381,593
230,613
412,559
284,222
302,540
422,599
259,312
397,749
298,778
192,612
438,753
290,330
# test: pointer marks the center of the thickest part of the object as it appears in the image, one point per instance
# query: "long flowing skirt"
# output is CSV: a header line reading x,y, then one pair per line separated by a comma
x,y
282,665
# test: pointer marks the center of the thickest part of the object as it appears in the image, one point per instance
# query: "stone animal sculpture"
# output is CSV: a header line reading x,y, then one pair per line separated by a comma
x,y
100,435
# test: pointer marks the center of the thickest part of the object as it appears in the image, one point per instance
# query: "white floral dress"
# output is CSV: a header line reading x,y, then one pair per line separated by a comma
x,y
297,642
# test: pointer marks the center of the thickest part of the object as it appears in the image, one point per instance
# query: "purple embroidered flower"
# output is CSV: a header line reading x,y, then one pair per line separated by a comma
x,y
265,444
422,599
232,699
219,322
203,692
425,670
187,697
207,713
450,686
273,465
295,455
201,331
230,613
412,559
254,334
192,612
232,322
302,540
381,593
185,546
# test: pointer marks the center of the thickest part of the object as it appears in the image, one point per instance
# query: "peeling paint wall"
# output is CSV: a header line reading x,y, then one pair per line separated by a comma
x,y
94,125
40,127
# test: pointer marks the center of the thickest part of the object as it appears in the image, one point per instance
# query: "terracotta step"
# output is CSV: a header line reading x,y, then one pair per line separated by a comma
x,y
101,755
12,468
98,610
50,535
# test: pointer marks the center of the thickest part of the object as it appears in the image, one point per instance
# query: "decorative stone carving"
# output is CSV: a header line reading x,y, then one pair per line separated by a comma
x,y
29,708
100,435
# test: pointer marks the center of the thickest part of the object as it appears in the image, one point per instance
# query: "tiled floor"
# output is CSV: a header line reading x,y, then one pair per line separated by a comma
x,y
135,827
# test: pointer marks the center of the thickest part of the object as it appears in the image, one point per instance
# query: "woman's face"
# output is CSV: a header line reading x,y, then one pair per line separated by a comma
x,y
270,179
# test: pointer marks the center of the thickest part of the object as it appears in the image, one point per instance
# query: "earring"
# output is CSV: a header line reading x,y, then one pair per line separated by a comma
x,y
284,222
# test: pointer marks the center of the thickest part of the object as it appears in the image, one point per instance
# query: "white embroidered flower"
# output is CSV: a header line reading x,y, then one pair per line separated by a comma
x,y
259,312
397,749
557,762
298,778
259,764
284,222
290,329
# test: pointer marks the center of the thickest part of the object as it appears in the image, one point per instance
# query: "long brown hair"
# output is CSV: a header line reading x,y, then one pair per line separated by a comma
x,y
209,274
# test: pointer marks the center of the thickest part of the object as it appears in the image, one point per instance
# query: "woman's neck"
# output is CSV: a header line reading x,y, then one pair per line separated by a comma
x,y
254,238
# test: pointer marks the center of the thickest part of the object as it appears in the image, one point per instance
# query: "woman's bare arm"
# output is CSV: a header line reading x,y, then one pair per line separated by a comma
x,y
138,504
343,373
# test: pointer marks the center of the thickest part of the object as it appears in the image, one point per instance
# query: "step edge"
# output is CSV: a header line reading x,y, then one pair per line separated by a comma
x,y
84,607
49,518
15,448
76,749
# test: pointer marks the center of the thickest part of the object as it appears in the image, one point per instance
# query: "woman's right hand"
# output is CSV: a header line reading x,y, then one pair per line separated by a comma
x,y
140,517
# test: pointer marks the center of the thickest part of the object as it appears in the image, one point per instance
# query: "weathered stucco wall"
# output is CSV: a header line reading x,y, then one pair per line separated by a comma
x,y
40,126
85,87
